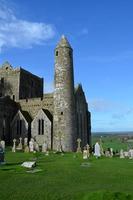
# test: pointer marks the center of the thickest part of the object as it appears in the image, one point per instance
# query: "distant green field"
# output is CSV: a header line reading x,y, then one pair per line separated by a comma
x,y
113,141
66,177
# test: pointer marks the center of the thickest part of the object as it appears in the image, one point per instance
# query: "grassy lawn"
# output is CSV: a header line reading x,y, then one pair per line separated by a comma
x,y
66,177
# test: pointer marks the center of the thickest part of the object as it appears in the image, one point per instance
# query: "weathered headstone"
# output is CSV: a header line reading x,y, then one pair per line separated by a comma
x,y
31,146
2,144
26,148
36,146
20,147
79,147
101,147
44,147
85,153
111,152
107,153
1,155
131,154
14,145
88,150
97,150
126,154
29,164
122,154
25,141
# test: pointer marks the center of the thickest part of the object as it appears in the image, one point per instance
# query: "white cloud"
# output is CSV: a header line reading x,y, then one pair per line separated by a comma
x,y
100,105
15,32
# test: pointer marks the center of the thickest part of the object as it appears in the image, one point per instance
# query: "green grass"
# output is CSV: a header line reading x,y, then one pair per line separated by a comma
x,y
63,177
112,141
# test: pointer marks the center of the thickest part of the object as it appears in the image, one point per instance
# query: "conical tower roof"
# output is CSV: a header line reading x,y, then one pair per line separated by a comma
x,y
63,42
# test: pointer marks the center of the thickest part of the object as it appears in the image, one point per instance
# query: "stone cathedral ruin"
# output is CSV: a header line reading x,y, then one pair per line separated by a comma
x,y
58,117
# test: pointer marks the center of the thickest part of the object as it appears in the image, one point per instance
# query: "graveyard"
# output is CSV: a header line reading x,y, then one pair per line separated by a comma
x,y
68,176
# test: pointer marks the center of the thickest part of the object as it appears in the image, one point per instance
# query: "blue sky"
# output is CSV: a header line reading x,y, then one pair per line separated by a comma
x,y
101,34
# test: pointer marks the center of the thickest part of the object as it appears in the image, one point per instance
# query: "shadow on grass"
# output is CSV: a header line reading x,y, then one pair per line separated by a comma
x,y
107,196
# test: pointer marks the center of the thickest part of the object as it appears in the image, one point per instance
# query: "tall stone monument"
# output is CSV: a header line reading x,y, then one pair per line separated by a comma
x,y
64,100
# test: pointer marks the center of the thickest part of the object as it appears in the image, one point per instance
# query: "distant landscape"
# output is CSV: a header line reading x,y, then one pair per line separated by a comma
x,y
114,133
115,140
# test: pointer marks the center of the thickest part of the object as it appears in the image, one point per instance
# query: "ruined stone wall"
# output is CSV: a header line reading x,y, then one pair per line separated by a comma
x,y
9,81
24,127
83,117
31,86
8,109
32,106
45,134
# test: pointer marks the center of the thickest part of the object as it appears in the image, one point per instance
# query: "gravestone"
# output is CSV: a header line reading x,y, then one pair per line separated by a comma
x,y
107,153
36,146
126,154
3,144
122,154
44,147
1,155
31,146
111,152
88,150
85,153
79,147
25,141
26,148
131,154
20,147
14,146
97,150
29,164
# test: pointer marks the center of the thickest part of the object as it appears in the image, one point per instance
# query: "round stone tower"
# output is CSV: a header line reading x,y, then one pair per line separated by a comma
x,y
64,100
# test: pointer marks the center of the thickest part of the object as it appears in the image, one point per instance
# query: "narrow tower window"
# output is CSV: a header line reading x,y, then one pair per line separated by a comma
x,y
42,127
39,127
56,53
13,97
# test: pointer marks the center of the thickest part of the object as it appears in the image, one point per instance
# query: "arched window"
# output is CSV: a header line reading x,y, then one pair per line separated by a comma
x,y
40,127
19,127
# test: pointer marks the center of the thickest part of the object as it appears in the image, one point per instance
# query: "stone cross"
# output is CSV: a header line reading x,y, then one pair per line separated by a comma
x,y
79,148
14,145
